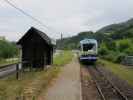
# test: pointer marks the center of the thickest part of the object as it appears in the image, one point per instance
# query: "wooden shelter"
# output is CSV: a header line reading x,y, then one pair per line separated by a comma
x,y
37,49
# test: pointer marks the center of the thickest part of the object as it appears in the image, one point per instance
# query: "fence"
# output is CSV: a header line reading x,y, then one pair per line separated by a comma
x,y
15,68
128,61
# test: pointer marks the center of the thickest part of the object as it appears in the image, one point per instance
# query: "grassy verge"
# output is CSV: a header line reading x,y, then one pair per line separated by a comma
x,y
31,84
63,58
120,70
4,62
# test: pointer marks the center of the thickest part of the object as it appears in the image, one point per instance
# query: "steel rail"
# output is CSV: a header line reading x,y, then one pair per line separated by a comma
x,y
99,88
117,89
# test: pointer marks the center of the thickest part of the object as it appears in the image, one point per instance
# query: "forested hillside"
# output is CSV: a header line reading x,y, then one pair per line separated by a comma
x,y
115,41
72,42
118,31
116,27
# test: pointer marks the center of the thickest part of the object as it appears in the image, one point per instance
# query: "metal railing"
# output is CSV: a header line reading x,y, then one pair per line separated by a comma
x,y
128,61
9,69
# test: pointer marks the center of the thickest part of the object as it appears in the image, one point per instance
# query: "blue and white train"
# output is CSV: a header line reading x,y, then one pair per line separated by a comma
x,y
88,50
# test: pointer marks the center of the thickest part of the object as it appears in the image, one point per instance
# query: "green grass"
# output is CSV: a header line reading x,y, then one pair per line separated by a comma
x,y
63,58
3,62
31,84
120,70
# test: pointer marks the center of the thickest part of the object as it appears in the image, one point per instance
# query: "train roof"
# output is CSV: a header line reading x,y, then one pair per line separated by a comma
x,y
88,41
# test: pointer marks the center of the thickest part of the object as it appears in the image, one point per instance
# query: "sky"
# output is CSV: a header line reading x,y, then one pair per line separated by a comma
x,y
68,17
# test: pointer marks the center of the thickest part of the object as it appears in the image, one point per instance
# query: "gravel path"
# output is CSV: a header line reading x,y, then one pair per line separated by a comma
x,y
67,86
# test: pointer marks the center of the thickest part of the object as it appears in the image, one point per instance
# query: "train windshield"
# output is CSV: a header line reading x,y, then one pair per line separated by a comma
x,y
87,47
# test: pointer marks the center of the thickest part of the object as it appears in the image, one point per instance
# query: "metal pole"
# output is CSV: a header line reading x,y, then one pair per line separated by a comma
x,y
61,41
17,71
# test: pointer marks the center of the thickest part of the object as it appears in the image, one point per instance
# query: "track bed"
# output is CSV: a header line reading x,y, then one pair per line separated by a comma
x,y
89,90
106,89
120,83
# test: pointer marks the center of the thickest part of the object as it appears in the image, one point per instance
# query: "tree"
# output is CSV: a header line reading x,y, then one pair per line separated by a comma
x,y
7,49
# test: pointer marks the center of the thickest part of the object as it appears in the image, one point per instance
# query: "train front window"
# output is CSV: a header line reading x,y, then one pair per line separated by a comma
x,y
87,47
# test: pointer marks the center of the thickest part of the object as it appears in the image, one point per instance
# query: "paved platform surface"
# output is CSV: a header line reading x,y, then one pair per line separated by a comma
x,y
68,84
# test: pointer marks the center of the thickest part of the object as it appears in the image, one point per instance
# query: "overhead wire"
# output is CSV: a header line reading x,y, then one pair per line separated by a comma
x,y
27,14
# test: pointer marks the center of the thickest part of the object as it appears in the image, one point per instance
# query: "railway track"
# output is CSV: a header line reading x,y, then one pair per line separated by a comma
x,y
106,89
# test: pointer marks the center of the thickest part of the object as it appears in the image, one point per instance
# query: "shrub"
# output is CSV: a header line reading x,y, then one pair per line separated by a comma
x,y
111,56
103,50
120,57
111,45
124,44
129,51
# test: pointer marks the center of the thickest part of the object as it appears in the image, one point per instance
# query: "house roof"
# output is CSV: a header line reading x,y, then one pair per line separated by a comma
x,y
42,34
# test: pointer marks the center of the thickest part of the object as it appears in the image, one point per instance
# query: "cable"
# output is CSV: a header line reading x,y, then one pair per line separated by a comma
x,y
26,14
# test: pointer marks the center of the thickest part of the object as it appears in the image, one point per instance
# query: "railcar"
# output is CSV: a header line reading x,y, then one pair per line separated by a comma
x,y
88,50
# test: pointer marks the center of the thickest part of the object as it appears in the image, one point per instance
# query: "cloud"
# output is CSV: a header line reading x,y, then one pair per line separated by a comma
x,y
62,16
